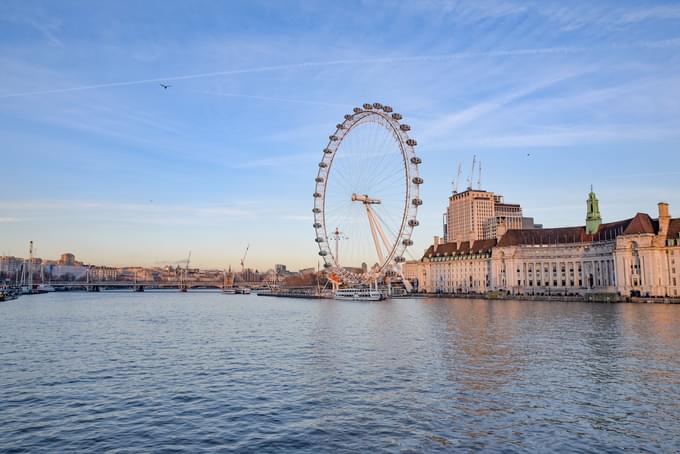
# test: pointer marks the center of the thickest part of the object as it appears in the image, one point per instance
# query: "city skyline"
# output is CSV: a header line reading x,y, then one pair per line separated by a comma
x,y
101,161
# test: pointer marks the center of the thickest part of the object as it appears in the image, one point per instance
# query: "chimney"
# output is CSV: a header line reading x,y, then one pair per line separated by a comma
x,y
436,242
664,219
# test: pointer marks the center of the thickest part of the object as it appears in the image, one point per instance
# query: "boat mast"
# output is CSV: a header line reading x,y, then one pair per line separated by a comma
x,y
30,266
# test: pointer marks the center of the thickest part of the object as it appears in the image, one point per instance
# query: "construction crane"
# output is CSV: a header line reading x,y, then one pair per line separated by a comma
x,y
479,176
472,173
456,182
243,261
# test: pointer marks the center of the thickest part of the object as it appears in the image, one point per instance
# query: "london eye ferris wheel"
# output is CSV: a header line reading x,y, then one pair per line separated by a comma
x,y
367,195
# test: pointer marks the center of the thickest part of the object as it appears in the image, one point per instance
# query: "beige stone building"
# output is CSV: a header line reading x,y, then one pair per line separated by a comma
x,y
647,256
639,256
463,267
474,215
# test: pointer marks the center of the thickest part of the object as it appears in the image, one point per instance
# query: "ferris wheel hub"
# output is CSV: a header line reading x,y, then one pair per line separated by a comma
x,y
365,199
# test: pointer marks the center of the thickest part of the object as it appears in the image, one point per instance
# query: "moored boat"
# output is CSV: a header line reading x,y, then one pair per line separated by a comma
x,y
359,294
45,288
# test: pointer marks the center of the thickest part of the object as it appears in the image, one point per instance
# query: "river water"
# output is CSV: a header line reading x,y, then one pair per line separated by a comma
x,y
141,372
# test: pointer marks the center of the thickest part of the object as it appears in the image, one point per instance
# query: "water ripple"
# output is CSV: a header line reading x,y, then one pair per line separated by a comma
x,y
205,372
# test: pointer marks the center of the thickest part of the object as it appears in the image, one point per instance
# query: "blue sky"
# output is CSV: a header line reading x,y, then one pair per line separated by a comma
x,y
98,160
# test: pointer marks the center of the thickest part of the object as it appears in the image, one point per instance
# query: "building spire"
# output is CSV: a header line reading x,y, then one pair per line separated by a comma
x,y
593,217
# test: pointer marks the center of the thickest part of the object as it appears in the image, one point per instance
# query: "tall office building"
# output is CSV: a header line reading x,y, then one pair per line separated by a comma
x,y
475,214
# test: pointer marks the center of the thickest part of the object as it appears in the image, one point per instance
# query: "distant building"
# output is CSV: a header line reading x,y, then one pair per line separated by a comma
x,y
474,215
279,268
528,224
67,259
10,266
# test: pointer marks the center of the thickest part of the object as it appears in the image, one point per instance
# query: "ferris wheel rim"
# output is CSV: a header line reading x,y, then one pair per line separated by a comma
x,y
391,121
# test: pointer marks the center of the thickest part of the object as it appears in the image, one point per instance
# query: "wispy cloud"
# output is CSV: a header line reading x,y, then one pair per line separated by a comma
x,y
274,161
573,136
450,122
652,12
356,61
135,213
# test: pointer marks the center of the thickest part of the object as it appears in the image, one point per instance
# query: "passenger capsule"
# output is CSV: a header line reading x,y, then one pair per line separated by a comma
x,y
417,180
413,223
399,259
340,126
319,239
416,160
357,110
317,195
316,210
368,106
377,105
396,116
323,253
417,202
328,151
348,117
333,138
407,242
327,265
318,179
411,142
323,165
387,109
405,127
317,225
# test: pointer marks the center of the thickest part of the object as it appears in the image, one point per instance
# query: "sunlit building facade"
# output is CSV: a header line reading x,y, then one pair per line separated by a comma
x,y
639,256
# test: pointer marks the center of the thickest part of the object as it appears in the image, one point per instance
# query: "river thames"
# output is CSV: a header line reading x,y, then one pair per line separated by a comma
x,y
232,373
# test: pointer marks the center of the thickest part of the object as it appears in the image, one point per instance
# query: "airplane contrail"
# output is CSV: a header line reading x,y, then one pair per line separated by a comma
x,y
356,61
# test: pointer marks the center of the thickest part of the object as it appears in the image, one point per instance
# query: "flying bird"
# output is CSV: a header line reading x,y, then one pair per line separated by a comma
x,y
165,87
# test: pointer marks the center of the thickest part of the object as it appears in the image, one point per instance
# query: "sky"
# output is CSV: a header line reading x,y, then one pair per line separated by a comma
x,y
97,159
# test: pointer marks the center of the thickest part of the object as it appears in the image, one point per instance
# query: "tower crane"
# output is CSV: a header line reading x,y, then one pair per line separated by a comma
x,y
472,173
479,176
456,182
243,261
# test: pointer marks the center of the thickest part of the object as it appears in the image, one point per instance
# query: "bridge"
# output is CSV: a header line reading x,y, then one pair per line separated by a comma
x,y
140,286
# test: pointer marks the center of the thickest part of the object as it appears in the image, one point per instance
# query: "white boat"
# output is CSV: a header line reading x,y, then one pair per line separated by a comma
x,y
359,294
44,288
242,290
229,290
